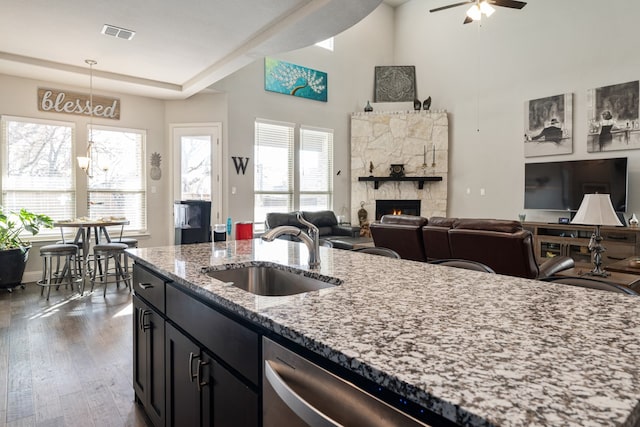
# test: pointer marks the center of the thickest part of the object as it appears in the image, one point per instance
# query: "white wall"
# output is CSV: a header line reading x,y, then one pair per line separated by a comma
x,y
482,77
350,69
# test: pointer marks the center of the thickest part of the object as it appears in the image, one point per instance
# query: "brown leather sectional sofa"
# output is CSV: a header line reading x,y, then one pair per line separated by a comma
x,y
502,245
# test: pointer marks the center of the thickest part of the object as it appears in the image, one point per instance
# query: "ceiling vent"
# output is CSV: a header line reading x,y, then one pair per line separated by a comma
x,y
121,33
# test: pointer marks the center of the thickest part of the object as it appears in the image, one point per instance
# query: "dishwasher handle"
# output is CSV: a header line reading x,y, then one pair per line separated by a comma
x,y
307,412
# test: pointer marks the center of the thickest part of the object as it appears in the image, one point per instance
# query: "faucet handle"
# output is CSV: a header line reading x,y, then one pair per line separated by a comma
x,y
303,221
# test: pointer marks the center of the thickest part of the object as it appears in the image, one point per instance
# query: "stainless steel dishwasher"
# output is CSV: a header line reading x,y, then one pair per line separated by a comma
x,y
297,392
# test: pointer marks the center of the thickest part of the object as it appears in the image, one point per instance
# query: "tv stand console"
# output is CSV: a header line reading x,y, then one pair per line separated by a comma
x,y
572,240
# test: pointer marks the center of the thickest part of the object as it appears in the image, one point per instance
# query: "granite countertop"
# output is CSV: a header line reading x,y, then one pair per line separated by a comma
x,y
477,348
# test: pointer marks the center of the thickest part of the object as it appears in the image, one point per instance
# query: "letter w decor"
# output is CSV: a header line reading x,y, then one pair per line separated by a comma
x,y
240,163
57,101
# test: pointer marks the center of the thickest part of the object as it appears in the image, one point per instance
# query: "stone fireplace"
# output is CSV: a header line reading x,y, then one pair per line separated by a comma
x,y
418,140
397,207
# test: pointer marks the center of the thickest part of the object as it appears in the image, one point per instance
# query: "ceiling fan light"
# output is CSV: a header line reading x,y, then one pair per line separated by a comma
x,y
486,8
474,13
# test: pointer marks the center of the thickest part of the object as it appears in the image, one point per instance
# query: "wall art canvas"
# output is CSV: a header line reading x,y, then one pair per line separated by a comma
x,y
548,126
295,80
613,122
395,83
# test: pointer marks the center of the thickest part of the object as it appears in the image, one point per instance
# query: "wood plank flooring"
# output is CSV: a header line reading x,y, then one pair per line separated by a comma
x,y
66,362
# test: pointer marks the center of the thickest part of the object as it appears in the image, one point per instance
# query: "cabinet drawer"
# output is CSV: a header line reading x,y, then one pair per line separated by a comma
x,y
235,344
619,236
149,286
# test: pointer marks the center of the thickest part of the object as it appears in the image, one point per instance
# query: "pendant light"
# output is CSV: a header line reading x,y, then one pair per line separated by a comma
x,y
84,163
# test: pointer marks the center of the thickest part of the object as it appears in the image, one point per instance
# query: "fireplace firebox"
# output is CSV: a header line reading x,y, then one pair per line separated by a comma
x,y
397,207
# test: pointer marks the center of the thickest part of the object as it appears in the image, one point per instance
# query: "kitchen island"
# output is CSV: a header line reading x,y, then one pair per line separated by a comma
x,y
476,348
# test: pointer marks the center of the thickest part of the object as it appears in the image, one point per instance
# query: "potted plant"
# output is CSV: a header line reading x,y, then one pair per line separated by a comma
x,y
14,250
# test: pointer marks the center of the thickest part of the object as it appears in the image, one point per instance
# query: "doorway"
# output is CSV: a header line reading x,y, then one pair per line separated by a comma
x,y
197,164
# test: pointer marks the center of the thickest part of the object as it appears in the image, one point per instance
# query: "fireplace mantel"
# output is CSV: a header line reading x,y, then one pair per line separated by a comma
x,y
419,179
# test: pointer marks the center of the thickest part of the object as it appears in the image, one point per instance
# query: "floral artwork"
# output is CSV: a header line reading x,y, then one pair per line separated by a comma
x,y
548,126
291,79
613,122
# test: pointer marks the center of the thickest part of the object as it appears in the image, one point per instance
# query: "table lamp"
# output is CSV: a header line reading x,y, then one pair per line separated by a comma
x,y
596,209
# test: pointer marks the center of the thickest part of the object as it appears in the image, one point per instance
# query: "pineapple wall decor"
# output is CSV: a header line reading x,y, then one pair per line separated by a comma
x,y
155,171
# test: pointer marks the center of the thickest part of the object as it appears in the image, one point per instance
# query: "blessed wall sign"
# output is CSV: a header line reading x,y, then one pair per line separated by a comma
x,y
58,101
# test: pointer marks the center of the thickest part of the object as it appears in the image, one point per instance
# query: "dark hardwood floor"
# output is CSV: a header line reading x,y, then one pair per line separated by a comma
x,y
66,361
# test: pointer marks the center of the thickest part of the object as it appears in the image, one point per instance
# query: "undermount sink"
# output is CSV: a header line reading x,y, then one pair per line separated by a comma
x,y
271,281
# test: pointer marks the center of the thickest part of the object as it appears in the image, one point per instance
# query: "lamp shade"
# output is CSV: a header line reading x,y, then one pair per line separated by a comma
x,y
83,163
596,209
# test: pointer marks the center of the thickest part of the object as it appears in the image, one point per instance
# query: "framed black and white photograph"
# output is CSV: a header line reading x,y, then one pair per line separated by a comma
x,y
548,128
395,83
613,122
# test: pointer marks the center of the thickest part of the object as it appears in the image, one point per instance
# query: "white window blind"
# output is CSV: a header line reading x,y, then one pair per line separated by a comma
x,y
38,167
117,187
316,168
273,163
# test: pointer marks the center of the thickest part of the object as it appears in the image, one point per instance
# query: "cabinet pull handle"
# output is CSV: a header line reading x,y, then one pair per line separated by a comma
x,y
145,285
143,314
192,356
199,375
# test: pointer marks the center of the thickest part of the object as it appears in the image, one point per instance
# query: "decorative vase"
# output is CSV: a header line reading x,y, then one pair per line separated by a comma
x,y
427,104
633,221
417,104
368,108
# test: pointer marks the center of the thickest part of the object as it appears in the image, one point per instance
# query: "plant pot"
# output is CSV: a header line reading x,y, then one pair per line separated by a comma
x,y
12,264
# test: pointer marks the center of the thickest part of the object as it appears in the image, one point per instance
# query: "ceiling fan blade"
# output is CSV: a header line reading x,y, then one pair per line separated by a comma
x,y
508,3
452,5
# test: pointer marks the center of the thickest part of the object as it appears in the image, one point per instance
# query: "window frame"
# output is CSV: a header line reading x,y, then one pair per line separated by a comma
x,y
141,190
71,191
295,194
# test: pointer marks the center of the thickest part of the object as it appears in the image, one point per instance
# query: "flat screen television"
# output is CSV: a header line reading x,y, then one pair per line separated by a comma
x,y
562,185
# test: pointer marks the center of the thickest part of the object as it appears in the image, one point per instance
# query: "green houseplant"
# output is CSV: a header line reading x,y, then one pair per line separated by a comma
x,y
14,250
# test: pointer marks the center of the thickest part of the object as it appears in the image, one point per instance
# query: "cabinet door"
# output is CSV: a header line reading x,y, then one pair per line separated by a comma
x,y
148,360
226,401
183,397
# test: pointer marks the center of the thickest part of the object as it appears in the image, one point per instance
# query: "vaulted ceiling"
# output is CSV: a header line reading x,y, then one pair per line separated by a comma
x,y
179,47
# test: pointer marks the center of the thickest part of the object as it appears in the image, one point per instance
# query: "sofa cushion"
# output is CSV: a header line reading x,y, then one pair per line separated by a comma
x,y
276,219
321,218
499,225
417,221
442,221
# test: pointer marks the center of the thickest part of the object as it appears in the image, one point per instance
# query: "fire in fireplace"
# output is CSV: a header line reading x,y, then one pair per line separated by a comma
x,y
397,207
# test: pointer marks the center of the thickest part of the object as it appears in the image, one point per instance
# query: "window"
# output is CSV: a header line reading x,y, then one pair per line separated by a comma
x,y
273,177
38,167
117,184
316,169
275,188
326,44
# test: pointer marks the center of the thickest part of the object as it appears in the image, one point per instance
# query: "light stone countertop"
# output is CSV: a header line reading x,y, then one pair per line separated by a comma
x,y
477,348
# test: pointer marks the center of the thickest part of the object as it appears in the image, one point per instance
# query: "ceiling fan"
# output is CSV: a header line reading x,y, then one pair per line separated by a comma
x,y
482,7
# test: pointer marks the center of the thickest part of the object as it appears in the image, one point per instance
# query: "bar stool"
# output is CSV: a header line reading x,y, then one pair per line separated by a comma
x,y
80,256
131,243
103,252
53,276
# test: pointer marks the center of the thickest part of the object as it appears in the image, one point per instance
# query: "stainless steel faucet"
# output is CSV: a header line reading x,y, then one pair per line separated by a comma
x,y
311,240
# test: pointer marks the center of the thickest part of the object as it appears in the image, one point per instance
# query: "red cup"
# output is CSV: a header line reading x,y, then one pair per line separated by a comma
x,y
244,230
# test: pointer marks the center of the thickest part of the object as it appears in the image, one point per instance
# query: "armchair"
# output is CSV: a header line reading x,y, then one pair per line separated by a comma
x,y
504,246
401,233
